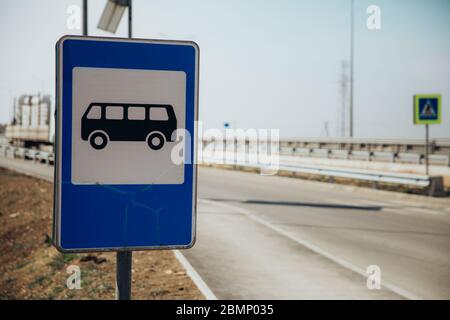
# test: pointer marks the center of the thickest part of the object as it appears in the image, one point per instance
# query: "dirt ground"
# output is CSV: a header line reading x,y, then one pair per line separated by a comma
x,y
31,268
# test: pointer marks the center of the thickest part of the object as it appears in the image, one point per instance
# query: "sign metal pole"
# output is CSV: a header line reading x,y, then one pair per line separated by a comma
x,y
123,275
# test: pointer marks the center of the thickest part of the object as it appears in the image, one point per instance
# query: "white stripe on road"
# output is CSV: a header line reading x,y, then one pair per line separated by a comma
x,y
201,285
433,211
425,211
404,293
392,206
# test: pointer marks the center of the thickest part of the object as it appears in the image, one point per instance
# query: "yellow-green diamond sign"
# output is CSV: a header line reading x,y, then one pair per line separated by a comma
x,y
427,109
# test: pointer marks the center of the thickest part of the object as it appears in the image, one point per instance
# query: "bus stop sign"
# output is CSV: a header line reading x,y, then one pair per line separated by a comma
x,y
125,158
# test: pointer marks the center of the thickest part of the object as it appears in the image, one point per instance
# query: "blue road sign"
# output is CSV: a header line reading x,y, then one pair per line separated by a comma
x,y
125,166
427,109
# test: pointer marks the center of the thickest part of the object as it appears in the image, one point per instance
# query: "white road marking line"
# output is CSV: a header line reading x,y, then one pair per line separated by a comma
x,y
425,211
404,293
393,207
385,207
196,278
408,207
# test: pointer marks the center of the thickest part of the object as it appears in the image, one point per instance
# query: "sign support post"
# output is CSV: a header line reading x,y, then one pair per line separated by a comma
x,y
123,275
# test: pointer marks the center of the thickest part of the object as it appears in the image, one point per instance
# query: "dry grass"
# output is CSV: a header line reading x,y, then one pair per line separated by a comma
x,y
30,268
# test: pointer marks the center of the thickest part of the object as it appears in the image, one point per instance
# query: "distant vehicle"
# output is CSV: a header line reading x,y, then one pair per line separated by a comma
x,y
104,122
33,124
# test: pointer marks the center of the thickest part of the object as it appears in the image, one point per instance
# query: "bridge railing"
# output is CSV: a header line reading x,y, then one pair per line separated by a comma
x,y
393,151
247,155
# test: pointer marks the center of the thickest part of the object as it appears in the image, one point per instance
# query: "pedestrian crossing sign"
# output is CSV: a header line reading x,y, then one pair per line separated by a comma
x,y
427,109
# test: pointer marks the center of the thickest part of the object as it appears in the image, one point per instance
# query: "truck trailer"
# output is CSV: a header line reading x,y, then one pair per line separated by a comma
x,y
33,123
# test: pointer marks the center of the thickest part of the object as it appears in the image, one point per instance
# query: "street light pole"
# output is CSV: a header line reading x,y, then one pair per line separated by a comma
x,y
130,25
85,18
352,69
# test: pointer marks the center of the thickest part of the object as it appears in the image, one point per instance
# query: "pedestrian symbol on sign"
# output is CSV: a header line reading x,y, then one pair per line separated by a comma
x,y
428,109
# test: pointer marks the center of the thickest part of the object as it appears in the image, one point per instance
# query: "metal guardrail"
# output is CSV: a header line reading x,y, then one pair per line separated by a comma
x,y
377,156
388,150
434,185
418,142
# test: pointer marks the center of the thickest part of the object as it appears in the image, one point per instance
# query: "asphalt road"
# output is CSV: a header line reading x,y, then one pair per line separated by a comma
x,y
275,237
265,237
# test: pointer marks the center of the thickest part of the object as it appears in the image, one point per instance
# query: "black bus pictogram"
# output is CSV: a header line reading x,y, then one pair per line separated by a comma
x,y
104,122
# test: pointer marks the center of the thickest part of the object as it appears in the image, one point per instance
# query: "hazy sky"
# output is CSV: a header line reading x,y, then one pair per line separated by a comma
x,y
265,64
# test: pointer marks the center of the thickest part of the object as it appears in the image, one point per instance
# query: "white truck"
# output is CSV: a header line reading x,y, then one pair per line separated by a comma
x,y
33,124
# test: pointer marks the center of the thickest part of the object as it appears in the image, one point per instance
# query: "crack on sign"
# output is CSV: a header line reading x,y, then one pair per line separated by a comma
x,y
132,203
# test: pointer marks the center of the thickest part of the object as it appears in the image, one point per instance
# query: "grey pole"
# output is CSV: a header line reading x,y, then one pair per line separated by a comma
x,y
352,47
130,17
123,275
85,18
14,111
124,259
427,137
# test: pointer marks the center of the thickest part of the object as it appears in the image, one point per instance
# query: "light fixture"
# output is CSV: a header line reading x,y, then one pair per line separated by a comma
x,y
112,14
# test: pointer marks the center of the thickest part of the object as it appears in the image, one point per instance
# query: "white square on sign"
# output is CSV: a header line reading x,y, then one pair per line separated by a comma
x,y
122,124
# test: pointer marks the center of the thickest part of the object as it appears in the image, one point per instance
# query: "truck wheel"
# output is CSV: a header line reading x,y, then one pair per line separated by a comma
x,y
155,141
98,140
